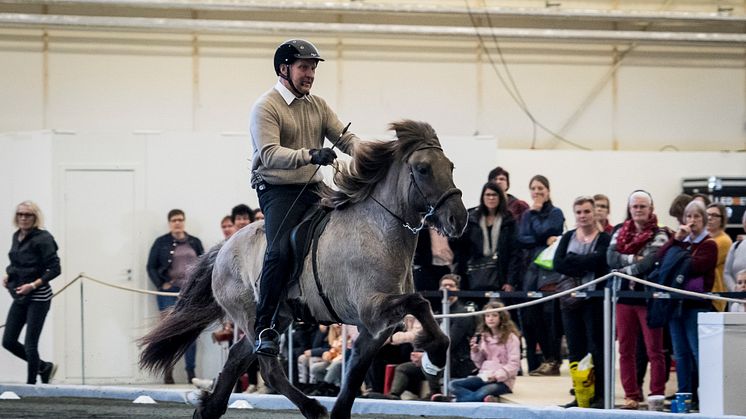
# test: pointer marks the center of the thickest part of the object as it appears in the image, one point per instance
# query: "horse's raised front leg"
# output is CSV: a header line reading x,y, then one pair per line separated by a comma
x,y
432,339
214,404
364,349
273,374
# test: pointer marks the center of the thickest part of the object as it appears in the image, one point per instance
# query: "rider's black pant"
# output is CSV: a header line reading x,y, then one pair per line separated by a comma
x,y
276,202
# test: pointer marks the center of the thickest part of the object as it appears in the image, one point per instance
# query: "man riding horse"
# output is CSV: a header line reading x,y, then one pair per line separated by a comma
x,y
288,126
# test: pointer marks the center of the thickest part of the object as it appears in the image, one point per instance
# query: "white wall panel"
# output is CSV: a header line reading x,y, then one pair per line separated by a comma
x,y
21,89
690,108
108,91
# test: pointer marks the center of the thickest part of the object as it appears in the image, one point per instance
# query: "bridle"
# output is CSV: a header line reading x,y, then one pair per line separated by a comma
x,y
430,208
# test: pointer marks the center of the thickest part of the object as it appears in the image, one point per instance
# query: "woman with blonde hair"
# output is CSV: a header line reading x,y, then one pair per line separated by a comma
x,y
33,264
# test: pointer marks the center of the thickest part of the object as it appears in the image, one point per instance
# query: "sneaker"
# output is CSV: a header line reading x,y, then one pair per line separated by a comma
x,y
439,397
47,372
630,404
250,389
491,399
203,384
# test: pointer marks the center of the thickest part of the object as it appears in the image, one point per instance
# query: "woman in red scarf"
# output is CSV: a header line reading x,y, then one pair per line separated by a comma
x,y
633,251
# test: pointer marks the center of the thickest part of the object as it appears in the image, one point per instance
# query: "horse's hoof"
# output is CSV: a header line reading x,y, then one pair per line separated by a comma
x,y
312,409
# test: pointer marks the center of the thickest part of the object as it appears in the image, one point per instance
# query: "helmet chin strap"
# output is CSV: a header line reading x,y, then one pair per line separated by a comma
x,y
290,81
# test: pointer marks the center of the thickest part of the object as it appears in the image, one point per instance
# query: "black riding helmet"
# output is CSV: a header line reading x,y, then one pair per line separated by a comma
x,y
295,49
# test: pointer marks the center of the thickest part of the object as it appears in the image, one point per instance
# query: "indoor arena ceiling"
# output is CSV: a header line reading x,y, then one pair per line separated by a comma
x,y
706,23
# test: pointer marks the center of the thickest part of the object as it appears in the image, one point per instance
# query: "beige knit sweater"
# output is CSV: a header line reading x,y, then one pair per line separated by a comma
x,y
283,134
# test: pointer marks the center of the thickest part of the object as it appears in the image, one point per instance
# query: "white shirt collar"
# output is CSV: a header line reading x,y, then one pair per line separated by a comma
x,y
286,94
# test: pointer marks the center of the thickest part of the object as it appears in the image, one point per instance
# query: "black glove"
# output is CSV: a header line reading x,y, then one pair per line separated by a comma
x,y
324,156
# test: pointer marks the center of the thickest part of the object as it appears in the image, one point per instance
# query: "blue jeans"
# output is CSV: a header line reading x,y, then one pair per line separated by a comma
x,y
474,389
190,355
685,346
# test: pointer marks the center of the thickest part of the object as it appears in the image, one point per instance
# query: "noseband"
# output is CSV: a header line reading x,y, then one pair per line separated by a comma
x,y
430,208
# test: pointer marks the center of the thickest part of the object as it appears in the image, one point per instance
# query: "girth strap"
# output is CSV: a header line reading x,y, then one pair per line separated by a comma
x,y
322,294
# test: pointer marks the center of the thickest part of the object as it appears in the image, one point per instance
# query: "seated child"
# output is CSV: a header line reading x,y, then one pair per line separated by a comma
x,y
496,351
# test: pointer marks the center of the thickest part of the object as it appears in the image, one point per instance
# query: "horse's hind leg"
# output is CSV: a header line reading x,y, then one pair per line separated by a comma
x,y
214,404
365,348
272,373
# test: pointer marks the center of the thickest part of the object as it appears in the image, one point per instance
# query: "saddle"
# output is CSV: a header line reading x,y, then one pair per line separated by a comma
x,y
303,238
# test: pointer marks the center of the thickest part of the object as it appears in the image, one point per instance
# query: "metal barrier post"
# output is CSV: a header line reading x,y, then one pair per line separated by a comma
x,y
290,353
82,335
610,299
446,326
344,354
608,366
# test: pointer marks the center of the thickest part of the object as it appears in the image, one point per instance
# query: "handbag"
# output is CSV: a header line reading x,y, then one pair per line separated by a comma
x,y
545,259
482,273
696,284
568,302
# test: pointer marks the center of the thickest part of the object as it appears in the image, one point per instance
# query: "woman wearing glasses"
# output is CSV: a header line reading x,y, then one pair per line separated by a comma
x,y
33,263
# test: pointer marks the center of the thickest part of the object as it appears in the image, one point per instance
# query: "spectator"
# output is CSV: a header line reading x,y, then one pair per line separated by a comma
x,y
496,351
736,260
170,256
717,217
603,208
396,350
540,227
258,214
633,251
227,227
501,178
683,325
677,207
488,256
313,355
740,287
432,258
580,258
33,264
241,215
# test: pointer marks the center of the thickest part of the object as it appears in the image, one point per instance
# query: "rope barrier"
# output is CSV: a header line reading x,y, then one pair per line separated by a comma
x,y
137,290
82,275
586,285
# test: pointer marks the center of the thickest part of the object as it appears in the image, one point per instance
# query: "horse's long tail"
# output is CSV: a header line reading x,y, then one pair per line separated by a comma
x,y
195,309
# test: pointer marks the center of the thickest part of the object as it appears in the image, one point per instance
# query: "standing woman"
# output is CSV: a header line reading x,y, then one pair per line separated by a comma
x,y
33,263
540,227
692,236
717,217
487,252
580,258
633,251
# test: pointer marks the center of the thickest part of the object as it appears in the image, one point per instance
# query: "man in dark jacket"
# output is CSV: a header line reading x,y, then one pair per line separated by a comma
x,y
169,258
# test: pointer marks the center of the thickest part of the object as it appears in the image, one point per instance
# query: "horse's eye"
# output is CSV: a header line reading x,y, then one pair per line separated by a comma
x,y
422,169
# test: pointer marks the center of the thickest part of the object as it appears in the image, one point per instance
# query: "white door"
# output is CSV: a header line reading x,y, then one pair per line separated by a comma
x,y
99,211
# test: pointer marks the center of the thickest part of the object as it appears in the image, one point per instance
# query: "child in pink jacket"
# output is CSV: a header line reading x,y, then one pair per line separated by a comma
x,y
496,351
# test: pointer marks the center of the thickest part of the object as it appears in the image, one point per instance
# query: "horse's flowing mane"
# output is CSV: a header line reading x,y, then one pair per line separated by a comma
x,y
372,159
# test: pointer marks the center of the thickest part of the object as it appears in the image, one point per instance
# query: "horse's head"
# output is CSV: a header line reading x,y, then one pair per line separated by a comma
x,y
431,187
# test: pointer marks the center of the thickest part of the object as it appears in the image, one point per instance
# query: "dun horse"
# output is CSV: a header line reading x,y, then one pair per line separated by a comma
x,y
364,269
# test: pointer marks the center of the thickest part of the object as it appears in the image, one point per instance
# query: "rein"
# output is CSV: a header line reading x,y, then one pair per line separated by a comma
x,y
430,208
